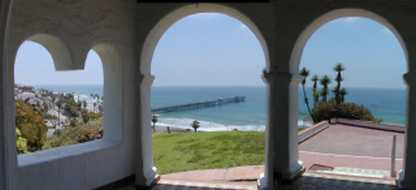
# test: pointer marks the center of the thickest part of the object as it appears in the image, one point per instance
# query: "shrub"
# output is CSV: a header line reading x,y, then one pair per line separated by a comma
x,y
327,110
73,122
71,108
31,125
94,116
74,135
85,116
21,143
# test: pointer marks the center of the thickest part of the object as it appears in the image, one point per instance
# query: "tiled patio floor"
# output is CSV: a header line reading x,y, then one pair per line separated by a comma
x,y
169,184
308,182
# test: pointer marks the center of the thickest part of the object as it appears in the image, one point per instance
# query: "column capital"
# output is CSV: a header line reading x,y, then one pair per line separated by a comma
x,y
271,75
146,79
410,78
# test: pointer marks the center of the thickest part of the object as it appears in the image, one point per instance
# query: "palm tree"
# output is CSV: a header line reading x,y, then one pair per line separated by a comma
x,y
305,73
343,93
315,92
154,121
325,81
195,125
338,68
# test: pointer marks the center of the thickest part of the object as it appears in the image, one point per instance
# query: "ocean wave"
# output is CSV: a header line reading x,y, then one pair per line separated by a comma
x,y
185,123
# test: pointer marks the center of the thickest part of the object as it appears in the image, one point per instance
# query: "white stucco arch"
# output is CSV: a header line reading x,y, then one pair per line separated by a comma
x,y
146,168
68,34
112,87
113,124
299,46
333,15
59,51
171,18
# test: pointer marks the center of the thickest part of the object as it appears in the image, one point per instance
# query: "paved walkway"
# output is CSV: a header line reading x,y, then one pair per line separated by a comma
x,y
237,174
251,173
337,160
352,140
245,177
307,182
192,185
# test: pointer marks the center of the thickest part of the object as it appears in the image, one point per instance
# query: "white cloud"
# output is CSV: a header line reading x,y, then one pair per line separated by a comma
x,y
244,26
206,15
350,19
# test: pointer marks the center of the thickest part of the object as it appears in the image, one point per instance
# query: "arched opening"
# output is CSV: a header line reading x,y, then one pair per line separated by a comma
x,y
56,108
353,116
196,57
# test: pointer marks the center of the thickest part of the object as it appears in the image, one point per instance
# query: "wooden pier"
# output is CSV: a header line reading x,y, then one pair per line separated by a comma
x,y
200,105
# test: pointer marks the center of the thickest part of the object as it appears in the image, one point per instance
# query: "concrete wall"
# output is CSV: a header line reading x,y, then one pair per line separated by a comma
x,y
69,30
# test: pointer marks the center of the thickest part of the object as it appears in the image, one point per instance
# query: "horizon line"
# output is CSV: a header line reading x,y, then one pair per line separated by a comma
x,y
158,86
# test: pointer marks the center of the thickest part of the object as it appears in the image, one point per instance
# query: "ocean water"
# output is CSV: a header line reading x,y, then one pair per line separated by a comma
x,y
78,89
387,104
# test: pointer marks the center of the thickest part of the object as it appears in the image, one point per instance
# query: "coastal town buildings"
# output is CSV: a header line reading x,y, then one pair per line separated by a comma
x,y
124,33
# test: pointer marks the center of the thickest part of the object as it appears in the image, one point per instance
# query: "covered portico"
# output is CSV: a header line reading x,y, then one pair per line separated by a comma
x,y
125,33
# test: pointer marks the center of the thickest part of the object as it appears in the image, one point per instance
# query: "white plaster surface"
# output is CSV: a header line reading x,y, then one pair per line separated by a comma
x,y
69,30
125,34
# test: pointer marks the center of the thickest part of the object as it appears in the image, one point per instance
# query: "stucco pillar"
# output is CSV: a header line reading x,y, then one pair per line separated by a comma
x,y
407,178
282,165
5,177
146,172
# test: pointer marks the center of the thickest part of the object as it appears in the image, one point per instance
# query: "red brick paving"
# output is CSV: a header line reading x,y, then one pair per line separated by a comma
x,y
349,161
244,173
250,173
351,140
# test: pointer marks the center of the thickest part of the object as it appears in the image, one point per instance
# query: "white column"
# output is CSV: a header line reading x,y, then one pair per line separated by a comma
x,y
2,100
282,165
6,178
407,178
146,172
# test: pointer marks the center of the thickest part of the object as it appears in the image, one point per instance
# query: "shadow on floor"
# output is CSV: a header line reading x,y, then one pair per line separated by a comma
x,y
307,182
304,183
178,187
338,183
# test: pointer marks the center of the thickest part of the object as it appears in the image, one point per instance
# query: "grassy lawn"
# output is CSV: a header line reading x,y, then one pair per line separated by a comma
x,y
205,150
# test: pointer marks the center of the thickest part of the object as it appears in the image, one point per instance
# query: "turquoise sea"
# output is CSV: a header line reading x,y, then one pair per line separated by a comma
x,y
387,104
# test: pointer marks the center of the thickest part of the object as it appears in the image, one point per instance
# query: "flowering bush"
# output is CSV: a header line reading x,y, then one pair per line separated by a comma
x,y
21,143
31,125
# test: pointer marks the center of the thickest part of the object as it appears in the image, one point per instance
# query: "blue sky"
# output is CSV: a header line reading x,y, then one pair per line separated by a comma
x,y
34,66
216,50
370,52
